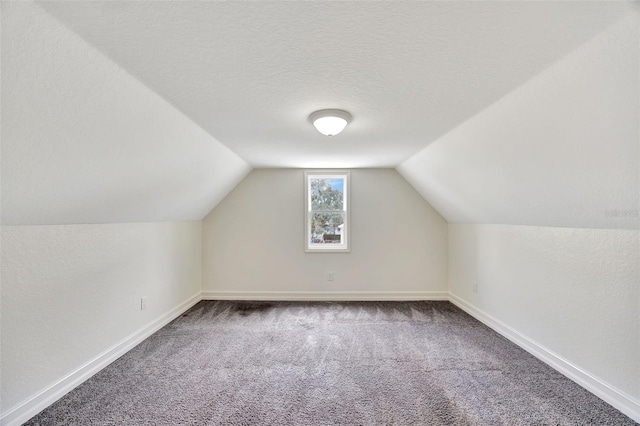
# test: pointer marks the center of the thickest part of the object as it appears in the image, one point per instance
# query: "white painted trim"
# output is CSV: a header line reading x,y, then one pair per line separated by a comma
x,y
325,295
346,229
615,397
41,400
38,402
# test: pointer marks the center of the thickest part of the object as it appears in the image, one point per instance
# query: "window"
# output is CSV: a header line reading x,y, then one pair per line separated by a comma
x,y
327,211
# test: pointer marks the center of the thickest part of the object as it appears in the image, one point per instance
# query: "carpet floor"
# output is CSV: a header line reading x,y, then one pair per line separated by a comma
x,y
328,363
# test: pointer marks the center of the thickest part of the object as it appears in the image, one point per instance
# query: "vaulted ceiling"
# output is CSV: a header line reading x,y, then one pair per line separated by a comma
x,y
142,111
250,73
563,149
85,142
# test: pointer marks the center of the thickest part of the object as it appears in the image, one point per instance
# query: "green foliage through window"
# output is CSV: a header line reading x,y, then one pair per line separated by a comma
x,y
327,205
327,194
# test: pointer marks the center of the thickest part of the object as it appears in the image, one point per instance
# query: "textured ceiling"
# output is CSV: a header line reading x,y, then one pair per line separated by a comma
x,y
250,73
85,142
561,150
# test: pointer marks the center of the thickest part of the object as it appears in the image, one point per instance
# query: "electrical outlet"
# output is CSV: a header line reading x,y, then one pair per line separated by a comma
x,y
475,286
143,303
330,276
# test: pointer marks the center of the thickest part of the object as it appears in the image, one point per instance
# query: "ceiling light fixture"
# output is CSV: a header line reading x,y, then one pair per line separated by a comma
x,y
330,122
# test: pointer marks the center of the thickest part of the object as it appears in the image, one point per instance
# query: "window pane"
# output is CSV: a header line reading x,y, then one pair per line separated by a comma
x,y
327,193
327,228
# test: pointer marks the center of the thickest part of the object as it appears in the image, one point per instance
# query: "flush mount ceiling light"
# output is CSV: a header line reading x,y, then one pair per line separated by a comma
x,y
330,122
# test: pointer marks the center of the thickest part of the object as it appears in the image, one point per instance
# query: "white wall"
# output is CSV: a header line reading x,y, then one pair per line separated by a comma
x,y
575,292
561,150
549,178
85,142
70,292
253,241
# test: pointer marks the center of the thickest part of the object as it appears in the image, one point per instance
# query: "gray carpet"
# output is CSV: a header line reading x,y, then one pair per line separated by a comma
x,y
328,363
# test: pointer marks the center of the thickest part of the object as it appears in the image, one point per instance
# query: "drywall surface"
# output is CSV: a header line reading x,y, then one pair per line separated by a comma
x,y
561,150
574,291
69,292
409,71
253,241
85,142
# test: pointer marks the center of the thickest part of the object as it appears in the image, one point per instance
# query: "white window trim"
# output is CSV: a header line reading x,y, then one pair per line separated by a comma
x,y
346,231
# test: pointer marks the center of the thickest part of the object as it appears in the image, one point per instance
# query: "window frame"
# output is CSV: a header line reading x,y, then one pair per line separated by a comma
x,y
345,247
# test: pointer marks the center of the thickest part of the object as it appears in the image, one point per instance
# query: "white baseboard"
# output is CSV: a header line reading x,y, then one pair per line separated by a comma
x,y
32,406
325,295
616,398
38,402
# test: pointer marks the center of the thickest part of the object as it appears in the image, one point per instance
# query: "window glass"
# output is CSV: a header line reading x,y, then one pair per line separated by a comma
x,y
327,218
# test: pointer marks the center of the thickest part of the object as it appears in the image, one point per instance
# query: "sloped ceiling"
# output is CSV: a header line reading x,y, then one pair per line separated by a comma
x,y
85,142
149,111
561,150
250,73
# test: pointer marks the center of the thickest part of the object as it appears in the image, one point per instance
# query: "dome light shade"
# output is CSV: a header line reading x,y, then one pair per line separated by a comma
x,y
330,122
